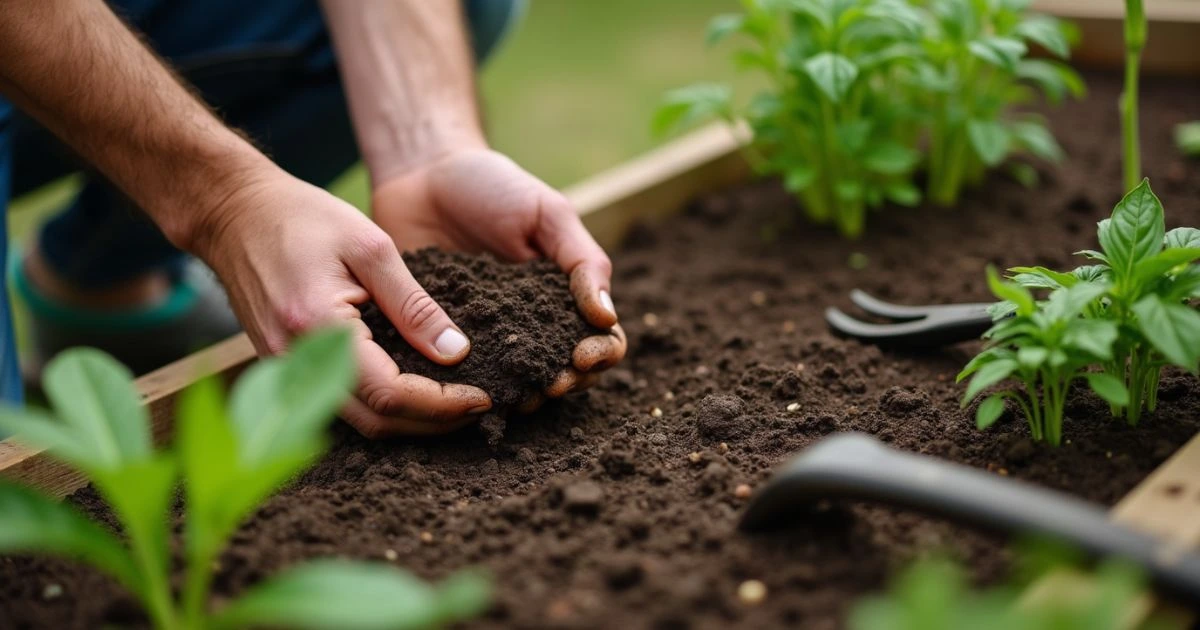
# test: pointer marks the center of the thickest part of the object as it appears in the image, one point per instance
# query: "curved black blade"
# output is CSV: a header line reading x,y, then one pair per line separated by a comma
x,y
878,307
858,467
938,329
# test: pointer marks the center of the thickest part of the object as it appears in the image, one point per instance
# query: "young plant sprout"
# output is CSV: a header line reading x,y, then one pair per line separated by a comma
x,y
1187,138
972,70
1045,347
1148,275
229,458
856,88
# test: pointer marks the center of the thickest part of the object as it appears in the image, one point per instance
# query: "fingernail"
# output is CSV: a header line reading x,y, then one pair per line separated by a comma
x,y
606,301
451,343
475,411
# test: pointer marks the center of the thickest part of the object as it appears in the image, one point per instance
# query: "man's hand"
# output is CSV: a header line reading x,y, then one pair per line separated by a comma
x,y
294,257
476,200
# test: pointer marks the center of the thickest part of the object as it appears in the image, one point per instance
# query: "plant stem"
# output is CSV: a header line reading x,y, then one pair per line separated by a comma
x,y
1135,40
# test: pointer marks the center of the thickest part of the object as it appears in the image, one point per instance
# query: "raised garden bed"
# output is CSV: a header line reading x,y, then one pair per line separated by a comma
x,y
618,507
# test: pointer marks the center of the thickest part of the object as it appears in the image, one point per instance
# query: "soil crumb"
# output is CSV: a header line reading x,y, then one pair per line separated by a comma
x,y
521,320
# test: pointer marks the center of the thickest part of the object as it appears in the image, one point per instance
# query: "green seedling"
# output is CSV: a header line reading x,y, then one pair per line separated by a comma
x,y
1148,275
935,594
973,69
229,459
1045,347
831,123
857,89
1187,138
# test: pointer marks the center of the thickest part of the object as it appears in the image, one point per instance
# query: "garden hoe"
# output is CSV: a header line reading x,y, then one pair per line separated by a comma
x,y
912,327
856,467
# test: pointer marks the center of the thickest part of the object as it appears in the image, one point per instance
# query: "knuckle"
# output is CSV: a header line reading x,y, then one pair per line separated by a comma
x,y
372,244
297,319
419,311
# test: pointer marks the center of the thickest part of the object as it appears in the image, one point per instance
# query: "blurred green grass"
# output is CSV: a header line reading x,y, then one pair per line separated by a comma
x,y
569,94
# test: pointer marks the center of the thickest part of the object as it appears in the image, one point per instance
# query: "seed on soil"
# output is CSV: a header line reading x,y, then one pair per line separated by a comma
x,y
694,457
788,327
656,412
723,447
52,591
650,320
752,592
758,298
793,407
799,367
427,538
583,497
390,555
669,395
742,491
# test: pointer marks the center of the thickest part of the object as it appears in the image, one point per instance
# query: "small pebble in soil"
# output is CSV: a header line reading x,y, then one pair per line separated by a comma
x,y
793,407
788,327
427,538
390,555
742,491
799,367
650,320
669,395
52,591
723,447
656,412
695,457
752,592
758,298
583,497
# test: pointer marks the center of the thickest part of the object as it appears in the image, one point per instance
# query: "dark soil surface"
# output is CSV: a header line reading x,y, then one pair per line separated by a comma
x,y
617,508
520,318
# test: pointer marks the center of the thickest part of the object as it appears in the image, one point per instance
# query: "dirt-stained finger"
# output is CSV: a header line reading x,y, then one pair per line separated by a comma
x,y
563,384
376,427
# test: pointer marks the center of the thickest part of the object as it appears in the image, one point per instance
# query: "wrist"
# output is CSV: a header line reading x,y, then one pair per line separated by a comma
x,y
397,152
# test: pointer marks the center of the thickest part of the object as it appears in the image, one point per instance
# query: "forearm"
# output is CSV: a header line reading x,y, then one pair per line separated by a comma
x,y
409,77
76,68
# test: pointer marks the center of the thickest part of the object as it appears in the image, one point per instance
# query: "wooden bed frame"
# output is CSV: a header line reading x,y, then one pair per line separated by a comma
x,y
658,184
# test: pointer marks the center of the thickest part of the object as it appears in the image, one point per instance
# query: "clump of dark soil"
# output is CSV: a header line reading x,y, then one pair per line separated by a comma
x,y
520,318
617,508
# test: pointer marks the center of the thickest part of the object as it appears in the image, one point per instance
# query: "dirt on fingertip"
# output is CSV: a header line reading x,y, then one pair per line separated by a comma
x,y
520,318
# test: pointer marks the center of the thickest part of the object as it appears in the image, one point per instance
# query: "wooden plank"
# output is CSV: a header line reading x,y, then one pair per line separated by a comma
x,y
1172,45
158,389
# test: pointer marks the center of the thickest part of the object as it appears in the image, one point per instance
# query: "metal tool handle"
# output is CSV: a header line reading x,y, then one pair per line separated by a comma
x,y
857,467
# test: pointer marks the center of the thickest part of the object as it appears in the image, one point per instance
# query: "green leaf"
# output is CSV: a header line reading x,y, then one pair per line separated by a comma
x,y
1032,356
1004,52
1108,387
832,73
1050,279
797,178
1154,267
1182,238
1035,138
890,158
284,404
1011,292
989,411
1024,174
1173,329
722,26
903,193
1069,302
1093,254
983,358
1135,232
33,523
988,375
1045,31
990,140
1091,273
355,596
93,393
1093,337
852,136
140,494
687,105
39,429
1187,138
1056,80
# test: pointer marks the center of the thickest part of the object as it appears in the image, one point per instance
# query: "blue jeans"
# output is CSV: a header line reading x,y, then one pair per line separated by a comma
x,y
268,68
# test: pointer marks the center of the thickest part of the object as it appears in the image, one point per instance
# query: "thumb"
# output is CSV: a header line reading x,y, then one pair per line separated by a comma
x,y
418,318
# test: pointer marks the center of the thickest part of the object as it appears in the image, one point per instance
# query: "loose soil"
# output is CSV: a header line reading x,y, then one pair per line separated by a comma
x,y
616,508
520,318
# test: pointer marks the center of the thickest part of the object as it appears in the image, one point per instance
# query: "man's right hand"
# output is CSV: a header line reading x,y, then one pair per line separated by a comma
x,y
294,257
